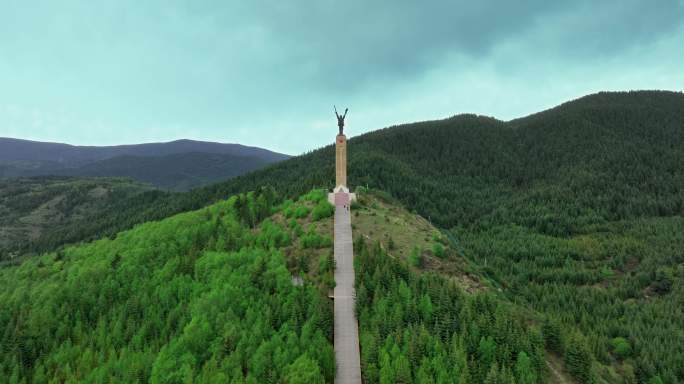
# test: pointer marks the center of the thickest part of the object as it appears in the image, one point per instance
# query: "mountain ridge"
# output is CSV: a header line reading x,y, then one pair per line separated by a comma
x,y
175,172
75,153
176,165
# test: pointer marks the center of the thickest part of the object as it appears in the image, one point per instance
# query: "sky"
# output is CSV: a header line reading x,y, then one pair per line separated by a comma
x,y
267,73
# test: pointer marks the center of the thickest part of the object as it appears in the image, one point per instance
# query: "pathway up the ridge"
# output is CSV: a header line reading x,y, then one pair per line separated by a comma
x,y
347,355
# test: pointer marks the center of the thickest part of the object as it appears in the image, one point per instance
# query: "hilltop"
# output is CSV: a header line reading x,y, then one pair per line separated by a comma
x,y
237,292
73,155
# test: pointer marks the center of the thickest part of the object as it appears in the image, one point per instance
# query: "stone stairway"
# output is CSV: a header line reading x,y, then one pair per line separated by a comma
x,y
347,354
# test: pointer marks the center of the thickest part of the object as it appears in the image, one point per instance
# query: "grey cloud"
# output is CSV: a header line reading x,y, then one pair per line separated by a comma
x,y
347,44
222,68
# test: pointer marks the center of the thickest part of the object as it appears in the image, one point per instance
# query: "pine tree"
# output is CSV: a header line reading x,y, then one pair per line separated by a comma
x,y
487,351
416,257
553,339
402,370
304,371
424,375
523,370
493,376
578,358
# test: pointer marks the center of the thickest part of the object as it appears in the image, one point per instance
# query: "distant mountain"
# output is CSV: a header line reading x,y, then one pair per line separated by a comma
x,y
26,150
179,171
177,165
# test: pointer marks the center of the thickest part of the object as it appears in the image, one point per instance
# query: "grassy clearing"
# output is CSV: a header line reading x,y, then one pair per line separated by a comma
x,y
410,237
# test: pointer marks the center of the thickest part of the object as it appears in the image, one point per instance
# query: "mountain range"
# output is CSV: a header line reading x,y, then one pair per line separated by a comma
x,y
176,165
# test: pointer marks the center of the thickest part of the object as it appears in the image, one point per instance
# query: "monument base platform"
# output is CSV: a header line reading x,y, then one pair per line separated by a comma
x,y
341,189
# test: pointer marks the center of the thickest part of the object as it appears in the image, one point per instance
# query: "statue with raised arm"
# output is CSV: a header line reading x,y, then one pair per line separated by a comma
x,y
340,119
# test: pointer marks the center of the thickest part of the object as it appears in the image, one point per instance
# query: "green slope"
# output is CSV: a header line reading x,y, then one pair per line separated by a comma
x,y
204,296
41,213
210,296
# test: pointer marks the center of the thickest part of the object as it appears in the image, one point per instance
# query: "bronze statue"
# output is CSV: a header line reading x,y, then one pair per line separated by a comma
x,y
340,119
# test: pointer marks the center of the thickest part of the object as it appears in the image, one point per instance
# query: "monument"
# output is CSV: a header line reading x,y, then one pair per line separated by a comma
x,y
341,160
341,151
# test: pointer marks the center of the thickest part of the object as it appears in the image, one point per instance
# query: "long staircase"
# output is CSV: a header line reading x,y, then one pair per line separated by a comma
x,y
347,355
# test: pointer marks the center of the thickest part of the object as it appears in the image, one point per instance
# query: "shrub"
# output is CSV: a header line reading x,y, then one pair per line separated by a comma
x,y
323,210
606,273
621,347
315,195
438,250
390,244
272,236
297,230
314,240
301,212
328,281
326,263
284,205
663,280
416,257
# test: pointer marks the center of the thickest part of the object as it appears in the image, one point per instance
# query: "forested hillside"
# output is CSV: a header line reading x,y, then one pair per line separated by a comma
x,y
204,296
422,328
42,213
575,213
237,292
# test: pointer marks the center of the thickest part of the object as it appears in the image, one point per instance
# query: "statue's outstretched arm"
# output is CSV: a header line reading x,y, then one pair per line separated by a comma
x,y
345,112
336,114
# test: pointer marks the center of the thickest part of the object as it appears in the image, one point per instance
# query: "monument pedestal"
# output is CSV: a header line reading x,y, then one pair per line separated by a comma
x,y
341,189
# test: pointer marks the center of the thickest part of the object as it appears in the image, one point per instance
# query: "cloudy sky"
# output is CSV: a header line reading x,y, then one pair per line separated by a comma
x,y
267,73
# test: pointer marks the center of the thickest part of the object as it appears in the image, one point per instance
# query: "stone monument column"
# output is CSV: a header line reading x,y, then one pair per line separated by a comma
x,y
341,160
341,187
